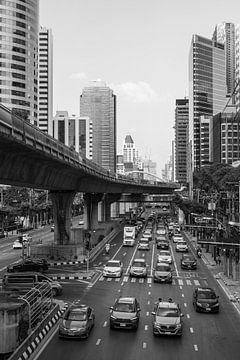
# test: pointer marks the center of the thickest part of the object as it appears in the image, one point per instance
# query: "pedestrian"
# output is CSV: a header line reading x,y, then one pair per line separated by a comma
x,y
218,260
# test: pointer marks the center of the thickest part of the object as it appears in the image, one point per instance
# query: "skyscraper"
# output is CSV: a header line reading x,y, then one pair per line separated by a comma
x,y
19,51
98,102
224,33
130,154
45,81
181,139
207,87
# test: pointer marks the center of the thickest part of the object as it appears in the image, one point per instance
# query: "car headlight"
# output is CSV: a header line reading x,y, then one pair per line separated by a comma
x,y
156,324
217,304
62,327
134,318
199,304
112,317
178,326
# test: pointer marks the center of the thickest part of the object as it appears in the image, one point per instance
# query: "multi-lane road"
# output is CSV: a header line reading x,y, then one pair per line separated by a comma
x,y
205,336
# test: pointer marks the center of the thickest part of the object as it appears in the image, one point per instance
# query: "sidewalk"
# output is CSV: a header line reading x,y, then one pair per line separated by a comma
x,y
229,286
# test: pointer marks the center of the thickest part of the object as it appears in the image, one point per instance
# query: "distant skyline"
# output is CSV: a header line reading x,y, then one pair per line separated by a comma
x,y
140,49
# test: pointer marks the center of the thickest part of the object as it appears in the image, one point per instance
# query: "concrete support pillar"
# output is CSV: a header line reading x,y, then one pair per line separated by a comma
x,y
91,201
108,199
62,205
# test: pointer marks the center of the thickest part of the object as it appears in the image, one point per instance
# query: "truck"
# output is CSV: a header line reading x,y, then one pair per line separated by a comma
x,y
129,235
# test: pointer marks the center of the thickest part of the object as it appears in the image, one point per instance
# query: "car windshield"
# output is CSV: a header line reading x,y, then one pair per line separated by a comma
x,y
143,242
188,258
162,268
182,243
76,315
138,264
206,295
167,312
112,264
164,253
124,307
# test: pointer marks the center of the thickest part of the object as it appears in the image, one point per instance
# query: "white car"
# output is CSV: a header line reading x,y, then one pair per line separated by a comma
x,y
17,244
161,231
113,268
164,256
177,237
182,246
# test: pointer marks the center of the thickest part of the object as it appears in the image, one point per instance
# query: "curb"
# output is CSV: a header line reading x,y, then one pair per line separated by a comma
x,y
72,277
42,334
67,263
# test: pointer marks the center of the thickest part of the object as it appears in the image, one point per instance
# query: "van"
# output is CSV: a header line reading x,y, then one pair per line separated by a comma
x,y
23,282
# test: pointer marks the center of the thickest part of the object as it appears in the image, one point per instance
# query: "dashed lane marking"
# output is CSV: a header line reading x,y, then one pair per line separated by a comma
x,y
98,342
191,330
144,345
105,324
195,347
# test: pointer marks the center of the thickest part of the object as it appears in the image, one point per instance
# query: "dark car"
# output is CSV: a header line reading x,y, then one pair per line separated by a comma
x,y
189,262
38,265
205,300
162,273
162,244
77,322
125,313
167,318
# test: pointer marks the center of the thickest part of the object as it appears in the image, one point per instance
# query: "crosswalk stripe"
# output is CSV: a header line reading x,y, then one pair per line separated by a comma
x,y
180,282
109,279
141,280
189,282
196,282
101,278
125,279
117,279
149,280
133,280
173,282
205,283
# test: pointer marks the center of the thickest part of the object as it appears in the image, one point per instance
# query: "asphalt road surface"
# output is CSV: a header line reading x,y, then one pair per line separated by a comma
x,y
205,336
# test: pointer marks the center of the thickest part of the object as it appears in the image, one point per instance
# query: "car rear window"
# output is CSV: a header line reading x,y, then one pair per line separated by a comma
x,y
139,264
162,267
124,307
77,315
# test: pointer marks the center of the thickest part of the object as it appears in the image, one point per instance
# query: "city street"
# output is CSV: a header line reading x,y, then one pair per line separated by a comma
x,y
205,336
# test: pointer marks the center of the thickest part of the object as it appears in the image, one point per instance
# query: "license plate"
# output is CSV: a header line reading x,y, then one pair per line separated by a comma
x,y
121,324
167,332
208,309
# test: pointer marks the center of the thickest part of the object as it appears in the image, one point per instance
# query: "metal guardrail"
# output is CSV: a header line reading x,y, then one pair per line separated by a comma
x,y
106,239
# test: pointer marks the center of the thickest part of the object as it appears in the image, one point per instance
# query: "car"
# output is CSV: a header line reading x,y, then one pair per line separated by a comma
x,y
177,237
164,256
188,261
125,313
138,268
162,273
18,244
162,244
38,265
161,231
167,318
113,268
147,234
77,322
205,300
52,228
143,244
181,246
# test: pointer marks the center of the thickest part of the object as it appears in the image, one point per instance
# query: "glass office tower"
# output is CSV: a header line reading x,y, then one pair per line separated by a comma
x,y
18,51
207,87
99,103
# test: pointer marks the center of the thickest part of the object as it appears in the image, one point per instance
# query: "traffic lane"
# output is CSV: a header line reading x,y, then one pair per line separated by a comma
x,y
215,335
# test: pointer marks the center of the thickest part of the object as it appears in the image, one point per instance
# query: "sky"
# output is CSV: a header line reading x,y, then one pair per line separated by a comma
x,y
140,48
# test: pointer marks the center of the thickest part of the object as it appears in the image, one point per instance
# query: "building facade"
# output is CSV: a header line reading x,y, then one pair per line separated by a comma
x,y
181,139
74,131
19,23
98,102
45,80
130,153
207,87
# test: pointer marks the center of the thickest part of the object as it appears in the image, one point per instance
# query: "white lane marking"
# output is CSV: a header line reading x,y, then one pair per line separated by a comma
x,y
196,282
143,254
189,282
174,282
185,304
188,316
182,295
141,280
153,251
133,279
149,293
124,254
148,302
4,268
180,282
146,327
125,279
144,345
191,330
119,290
98,341
180,287
101,278
109,279
205,283
105,324
122,283
149,280
117,279
130,263
174,260
100,263
120,247
195,347
147,313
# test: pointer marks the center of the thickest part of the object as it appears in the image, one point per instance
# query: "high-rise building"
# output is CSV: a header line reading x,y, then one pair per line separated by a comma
x,y
207,87
130,153
181,139
224,33
19,57
74,131
98,102
45,80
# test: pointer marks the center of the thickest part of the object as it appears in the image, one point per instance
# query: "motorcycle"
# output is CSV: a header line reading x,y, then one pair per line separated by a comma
x,y
107,248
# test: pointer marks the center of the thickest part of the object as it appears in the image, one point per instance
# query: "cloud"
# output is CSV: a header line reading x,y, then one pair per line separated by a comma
x,y
139,92
80,75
